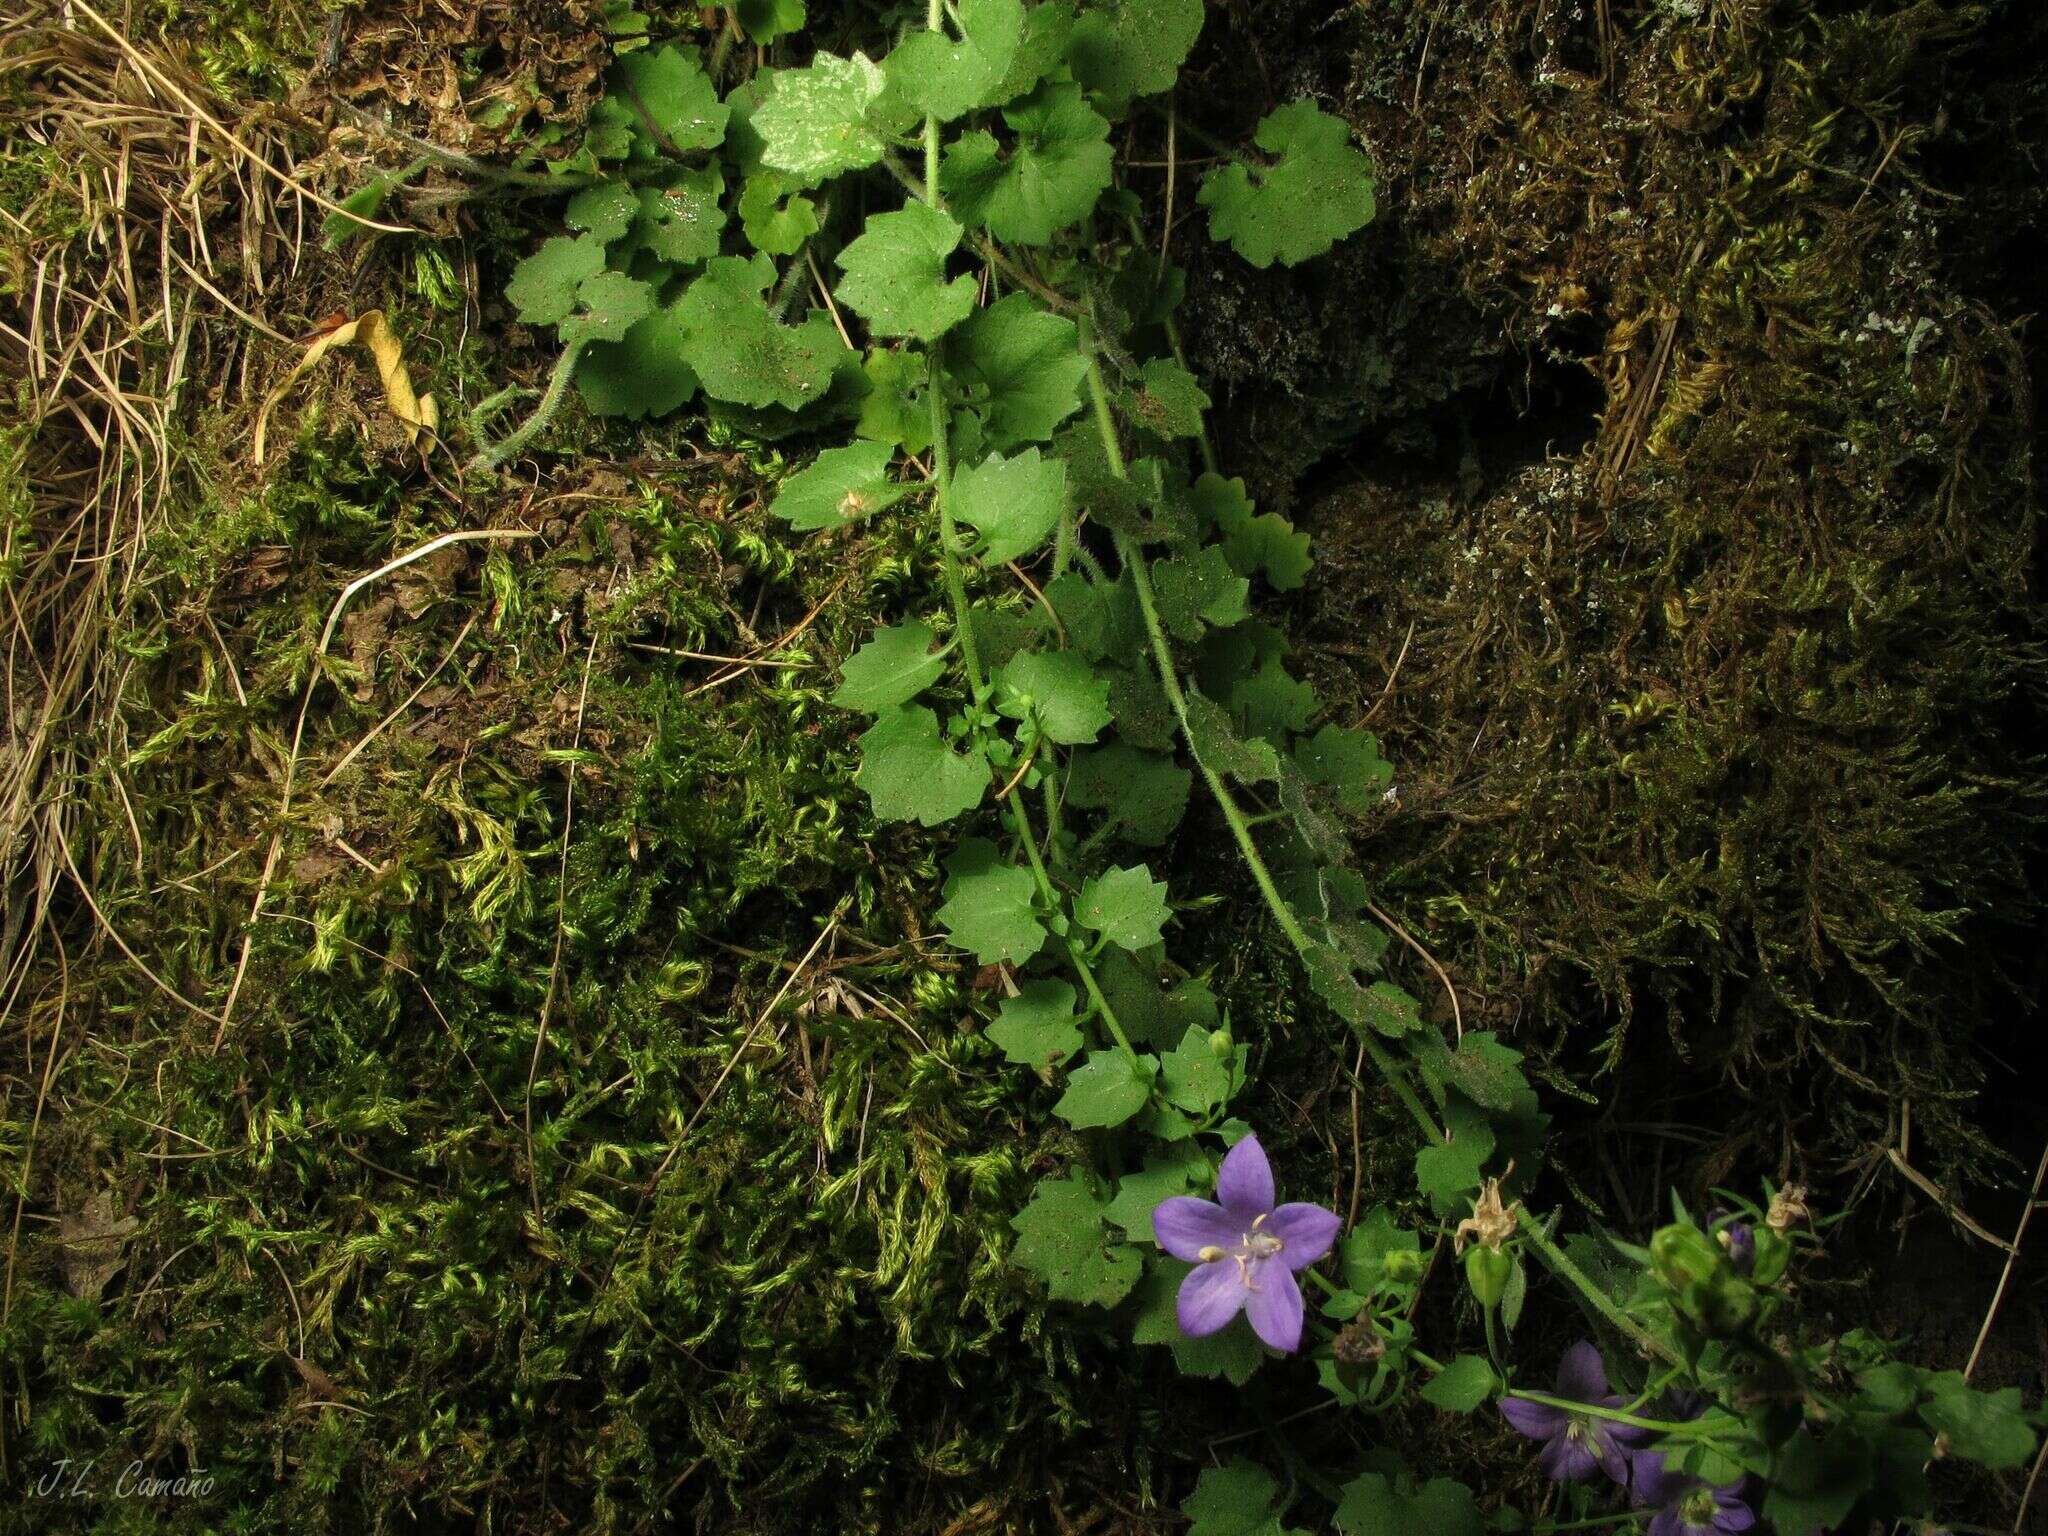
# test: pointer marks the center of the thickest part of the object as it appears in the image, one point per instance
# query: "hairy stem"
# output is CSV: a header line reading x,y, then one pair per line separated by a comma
x,y
1555,1260
513,442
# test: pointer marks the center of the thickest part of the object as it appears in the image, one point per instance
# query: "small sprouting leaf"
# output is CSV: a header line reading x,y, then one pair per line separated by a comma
x,y
1138,1195
681,223
840,486
775,219
1199,590
1061,1238
678,100
603,211
1107,1090
896,274
543,287
1057,689
1168,400
1320,191
910,774
738,348
1128,48
1347,762
1013,503
894,667
1462,1385
948,79
1142,795
1235,1499
1051,179
988,910
765,20
642,374
1126,906
816,124
1037,1027
1023,367
1191,1077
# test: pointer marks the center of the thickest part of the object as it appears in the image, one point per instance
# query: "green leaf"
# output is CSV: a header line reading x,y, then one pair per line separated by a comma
x,y
604,211
1151,1013
544,286
1013,503
894,667
1374,1505
816,124
1126,906
1023,368
1191,1078
1168,401
1060,1237
839,486
1128,48
681,223
910,774
773,217
1037,1027
1448,1172
642,374
1389,1010
765,20
1057,689
1107,1090
894,409
1217,746
1364,1249
947,79
1142,795
1484,1071
1462,1385
1989,1428
1268,545
989,911
1138,1195
1235,1499
1198,590
1347,762
738,348
1272,702
1320,190
673,98
1815,1482
1042,51
896,274
1051,179
608,306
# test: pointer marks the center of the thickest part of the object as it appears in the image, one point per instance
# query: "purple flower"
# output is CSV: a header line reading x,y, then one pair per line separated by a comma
x,y
1737,1238
1576,1443
1693,1508
1244,1249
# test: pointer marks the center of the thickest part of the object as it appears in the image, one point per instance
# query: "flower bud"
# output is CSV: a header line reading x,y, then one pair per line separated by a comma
x,y
1402,1265
1683,1255
1486,1272
1220,1044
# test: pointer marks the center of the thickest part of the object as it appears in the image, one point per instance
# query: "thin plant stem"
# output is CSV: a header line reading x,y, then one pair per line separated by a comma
x,y
1559,1264
1169,680
510,445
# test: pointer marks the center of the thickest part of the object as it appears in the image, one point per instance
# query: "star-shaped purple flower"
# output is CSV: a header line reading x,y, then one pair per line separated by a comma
x,y
1574,1444
1245,1250
1686,1507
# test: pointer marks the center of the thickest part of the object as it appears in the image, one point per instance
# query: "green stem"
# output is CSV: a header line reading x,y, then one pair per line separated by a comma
x,y
1169,680
512,442
1554,1258
935,21
1685,1429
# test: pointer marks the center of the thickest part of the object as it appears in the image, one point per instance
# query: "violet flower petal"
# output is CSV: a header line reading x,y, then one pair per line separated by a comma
x,y
1731,1514
1275,1308
1244,1184
1210,1297
1305,1232
1567,1459
1185,1225
1580,1375
1539,1421
1667,1522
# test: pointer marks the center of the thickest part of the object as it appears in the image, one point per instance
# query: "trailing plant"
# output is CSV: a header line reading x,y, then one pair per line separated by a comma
x,y
1020,394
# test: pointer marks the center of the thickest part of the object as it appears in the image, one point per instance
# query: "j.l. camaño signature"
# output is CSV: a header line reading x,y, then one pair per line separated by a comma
x,y
69,1479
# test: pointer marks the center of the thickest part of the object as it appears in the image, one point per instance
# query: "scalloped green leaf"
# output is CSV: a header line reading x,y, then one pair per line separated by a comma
x,y
1037,1028
1127,48
1013,503
1318,191
1108,1089
1022,368
910,774
644,373
945,78
1049,180
990,906
740,351
1058,689
840,486
816,124
544,286
1126,906
1061,1239
894,667
896,274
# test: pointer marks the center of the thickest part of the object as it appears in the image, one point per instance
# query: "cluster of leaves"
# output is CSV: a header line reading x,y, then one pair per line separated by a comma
x,y
1018,388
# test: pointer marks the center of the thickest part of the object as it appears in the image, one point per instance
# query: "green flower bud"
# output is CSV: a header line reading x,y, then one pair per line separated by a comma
x,y
1683,1255
1220,1044
1402,1265
1487,1271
